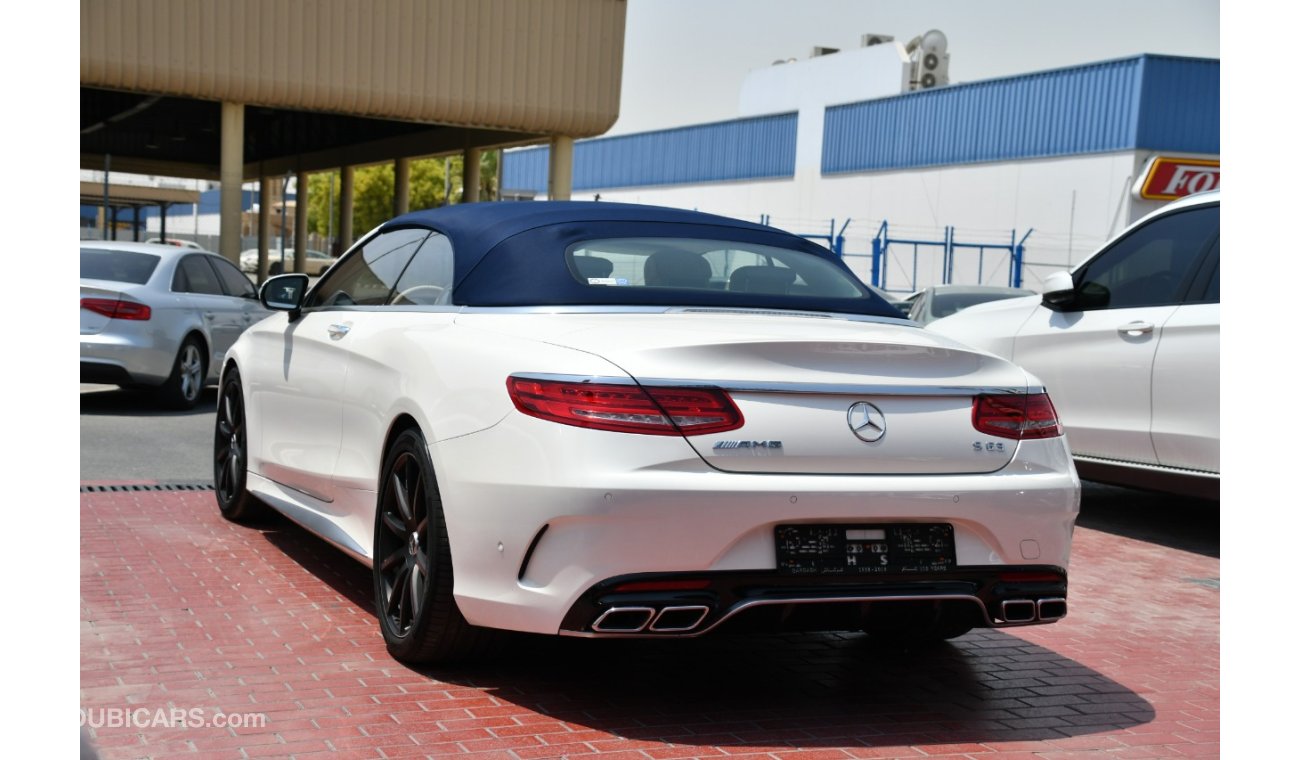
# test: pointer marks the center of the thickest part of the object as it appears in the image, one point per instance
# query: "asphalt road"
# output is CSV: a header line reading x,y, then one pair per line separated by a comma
x,y
126,437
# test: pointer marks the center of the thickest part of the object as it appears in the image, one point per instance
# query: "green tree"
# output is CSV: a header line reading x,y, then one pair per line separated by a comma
x,y
373,185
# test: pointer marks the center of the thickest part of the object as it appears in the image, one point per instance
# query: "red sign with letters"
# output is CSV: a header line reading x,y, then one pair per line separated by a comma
x,y
1169,178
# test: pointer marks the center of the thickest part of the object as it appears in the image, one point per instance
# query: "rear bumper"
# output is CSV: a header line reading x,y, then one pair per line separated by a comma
x,y
137,356
535,541
991,596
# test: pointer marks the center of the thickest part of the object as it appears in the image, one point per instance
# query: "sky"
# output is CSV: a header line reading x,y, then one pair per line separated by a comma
x,y
684,60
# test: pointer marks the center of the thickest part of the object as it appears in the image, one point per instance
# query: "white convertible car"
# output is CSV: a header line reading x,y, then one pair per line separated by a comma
x,y
599,419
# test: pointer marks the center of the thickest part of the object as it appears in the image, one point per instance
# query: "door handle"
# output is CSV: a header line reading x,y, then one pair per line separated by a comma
x,y
338,331
1136,328
209,316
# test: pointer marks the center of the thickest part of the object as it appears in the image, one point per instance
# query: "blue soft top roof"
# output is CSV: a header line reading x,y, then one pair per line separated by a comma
x,y
475,228
511,253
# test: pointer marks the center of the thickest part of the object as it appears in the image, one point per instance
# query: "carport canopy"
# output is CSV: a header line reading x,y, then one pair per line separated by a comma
x,y
246,90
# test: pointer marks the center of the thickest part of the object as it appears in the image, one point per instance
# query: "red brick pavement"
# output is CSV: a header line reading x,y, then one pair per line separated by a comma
x,y
184,611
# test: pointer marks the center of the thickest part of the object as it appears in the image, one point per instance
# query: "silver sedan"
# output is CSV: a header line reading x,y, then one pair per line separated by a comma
x,y
160,317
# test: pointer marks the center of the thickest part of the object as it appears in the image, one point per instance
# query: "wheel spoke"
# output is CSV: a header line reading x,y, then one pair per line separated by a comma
x,y
232,470
422,563
230,407
396,594
395,525
392,559
415,593
424,523
223,482
399,490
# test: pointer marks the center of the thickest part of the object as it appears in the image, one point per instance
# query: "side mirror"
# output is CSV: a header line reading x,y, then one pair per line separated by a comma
x,y
1058,291
284,293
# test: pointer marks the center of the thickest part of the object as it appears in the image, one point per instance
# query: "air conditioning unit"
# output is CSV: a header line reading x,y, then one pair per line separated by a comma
x,y
820,51
876,39
929,54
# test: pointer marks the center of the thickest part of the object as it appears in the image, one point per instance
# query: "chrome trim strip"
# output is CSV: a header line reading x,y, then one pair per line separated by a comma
x,y
1146,466
704,612
989,622
825,389
551,377
725,310
649,613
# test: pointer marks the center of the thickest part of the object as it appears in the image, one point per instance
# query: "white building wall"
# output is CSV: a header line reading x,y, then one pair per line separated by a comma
x,y
808,86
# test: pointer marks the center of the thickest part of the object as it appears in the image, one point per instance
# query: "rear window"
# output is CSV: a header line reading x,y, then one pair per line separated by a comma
x,y
684,264
117,266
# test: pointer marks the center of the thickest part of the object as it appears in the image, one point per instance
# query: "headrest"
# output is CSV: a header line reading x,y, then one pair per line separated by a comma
x,y
593,266
675,268
762,279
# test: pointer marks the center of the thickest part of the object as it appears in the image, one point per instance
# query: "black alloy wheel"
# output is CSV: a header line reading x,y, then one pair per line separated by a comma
x,y
230,452
412,564
403,544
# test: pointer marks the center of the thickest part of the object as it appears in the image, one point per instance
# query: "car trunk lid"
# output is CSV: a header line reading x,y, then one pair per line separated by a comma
x,y
818,395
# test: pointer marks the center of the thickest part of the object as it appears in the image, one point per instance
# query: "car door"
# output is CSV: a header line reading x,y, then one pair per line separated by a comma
x,y
1185,381
237,285
301,406
1095,355
222,314
420,303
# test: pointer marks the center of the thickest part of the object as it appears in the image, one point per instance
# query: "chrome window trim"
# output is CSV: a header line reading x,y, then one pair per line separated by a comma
x,y
751,386
640,309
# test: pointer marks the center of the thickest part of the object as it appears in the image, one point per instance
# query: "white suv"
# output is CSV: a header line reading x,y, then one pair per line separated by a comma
x,y
1128,346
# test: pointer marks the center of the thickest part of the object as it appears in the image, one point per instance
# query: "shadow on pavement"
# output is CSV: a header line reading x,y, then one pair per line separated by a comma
x,y
1177,522
828,689
110,400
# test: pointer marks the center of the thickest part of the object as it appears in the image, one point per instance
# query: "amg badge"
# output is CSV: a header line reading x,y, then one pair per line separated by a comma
x,y
720,445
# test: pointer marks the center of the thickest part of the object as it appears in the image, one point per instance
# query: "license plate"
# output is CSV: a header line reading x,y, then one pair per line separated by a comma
x,y
864,549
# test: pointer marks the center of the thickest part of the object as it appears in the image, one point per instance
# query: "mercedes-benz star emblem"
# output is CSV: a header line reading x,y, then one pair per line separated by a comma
x,y
867,421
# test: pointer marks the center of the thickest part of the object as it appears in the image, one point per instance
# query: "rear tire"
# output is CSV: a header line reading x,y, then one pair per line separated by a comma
x,y
412,564
184,387
230,454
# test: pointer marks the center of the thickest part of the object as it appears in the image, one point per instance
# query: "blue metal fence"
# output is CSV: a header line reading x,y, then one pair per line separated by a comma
x,y
883,245
834,240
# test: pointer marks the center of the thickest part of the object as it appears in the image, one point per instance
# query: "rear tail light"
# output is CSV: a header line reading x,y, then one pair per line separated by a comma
x,y
117,309
626,408
1016,416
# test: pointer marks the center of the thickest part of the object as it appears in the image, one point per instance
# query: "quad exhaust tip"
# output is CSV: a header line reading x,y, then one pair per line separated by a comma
x,y
1051,609
1019,611
624,620
679,619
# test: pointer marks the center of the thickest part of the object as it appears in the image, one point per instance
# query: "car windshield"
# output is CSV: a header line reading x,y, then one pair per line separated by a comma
x,y
711,265
117,266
